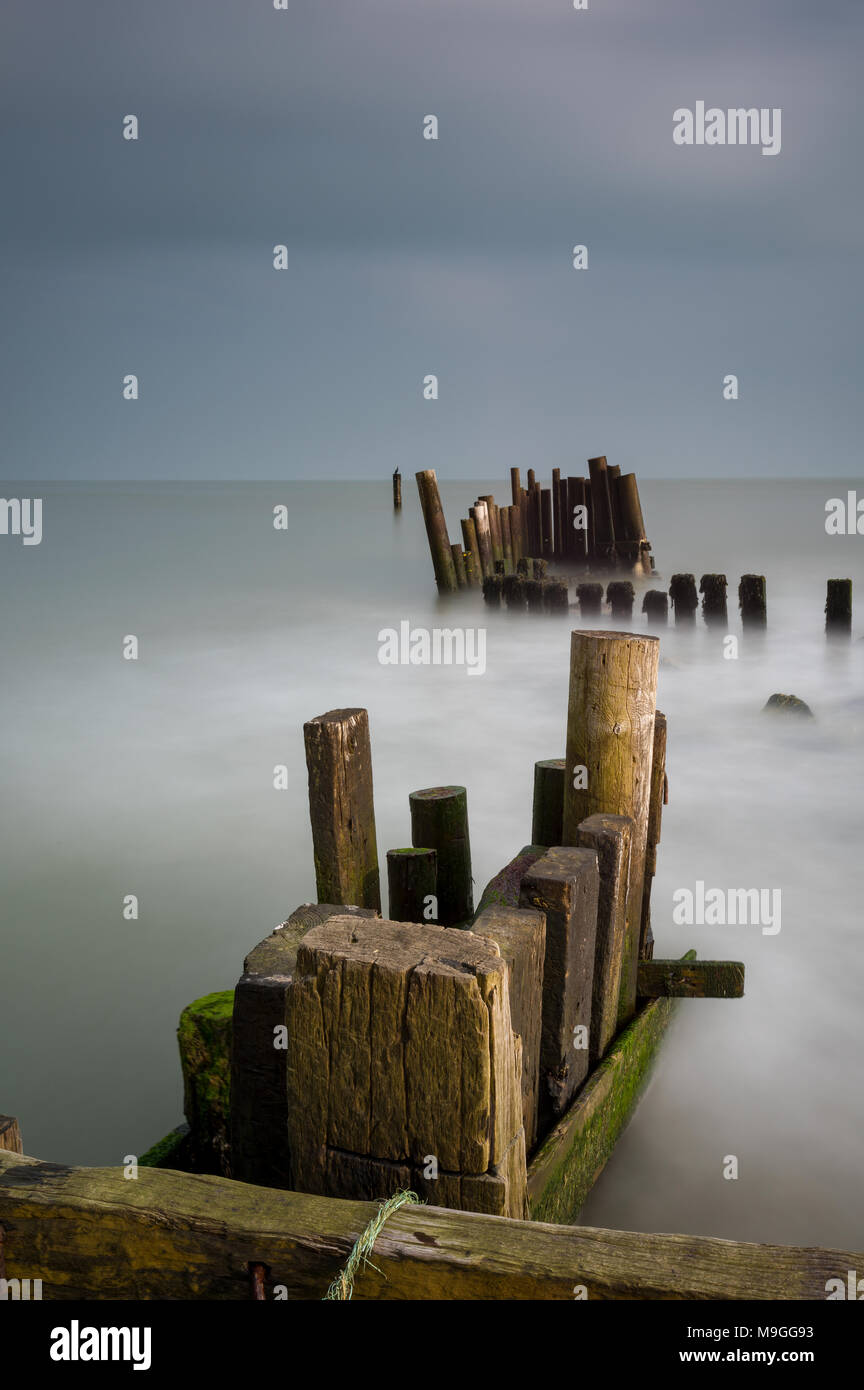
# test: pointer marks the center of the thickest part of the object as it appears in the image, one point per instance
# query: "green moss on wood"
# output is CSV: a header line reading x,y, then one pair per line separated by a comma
x,y
572,1156
170,1152
204,1039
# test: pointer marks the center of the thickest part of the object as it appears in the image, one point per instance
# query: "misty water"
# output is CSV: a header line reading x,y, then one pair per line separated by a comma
x,y
155,778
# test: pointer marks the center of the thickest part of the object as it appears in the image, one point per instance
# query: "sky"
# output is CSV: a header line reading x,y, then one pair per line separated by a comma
x,y
408,257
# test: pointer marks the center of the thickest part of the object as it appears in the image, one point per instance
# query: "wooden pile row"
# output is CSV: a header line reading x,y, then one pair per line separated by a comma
x,y
592,523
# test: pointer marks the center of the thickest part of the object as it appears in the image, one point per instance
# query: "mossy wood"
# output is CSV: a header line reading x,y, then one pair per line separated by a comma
x,y
204,1040
341,808
548,810
697,979
569,1161
503,890
88,1234
658,798
412,880
439,821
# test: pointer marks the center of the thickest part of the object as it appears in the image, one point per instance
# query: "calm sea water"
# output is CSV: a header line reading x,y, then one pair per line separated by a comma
x,y
155,778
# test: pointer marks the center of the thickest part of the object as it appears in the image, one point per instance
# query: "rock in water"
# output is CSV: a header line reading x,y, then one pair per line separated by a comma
x,y
788,704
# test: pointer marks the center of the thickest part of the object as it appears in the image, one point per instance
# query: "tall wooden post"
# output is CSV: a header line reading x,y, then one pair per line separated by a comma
x,y
577,544
339,762
439,821
436,530
557,518
601,500
469,543
479,514
397,491
610,747
506,538
494,526
547,536
459,566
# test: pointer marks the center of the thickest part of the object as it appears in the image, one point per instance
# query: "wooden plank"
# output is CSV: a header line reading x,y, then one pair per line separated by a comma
x,y
259,1100
698,979
564,885
341,807
573,1155
400,1047
88,1234
611,837
520,934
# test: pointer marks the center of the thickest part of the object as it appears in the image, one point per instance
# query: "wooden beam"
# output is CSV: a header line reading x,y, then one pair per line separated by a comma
x,y
696,979
88,1234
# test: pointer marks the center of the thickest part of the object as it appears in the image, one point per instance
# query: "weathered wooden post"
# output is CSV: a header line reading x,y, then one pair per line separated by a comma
x,y
712,587
469,543
548,810
524,568
659,796
838,608
564,884
752,600
500,568
506,538
655,605
685,600
400,1049
412,879
339,763
515,522
397,491
610,746
601,501
632,522
577,536
620,595
492,587
590,596
494,526
472,572
547,534
520,934
534,595
513,592
436,530
439,820
459,566
611,837
556,596
557,515
479,514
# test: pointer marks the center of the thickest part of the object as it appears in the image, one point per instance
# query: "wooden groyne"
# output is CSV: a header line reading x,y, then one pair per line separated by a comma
x,y
579,524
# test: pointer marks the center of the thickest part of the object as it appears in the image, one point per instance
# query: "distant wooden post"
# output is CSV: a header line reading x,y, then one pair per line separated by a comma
x,y
632,522
838,607
659,797
655,605
339,762
10,1135
534,595
472,574
515,518
494,526
611,837
610,747
685,600
459,566
439,820
548,810
513,592
479,514
436,530
604,529
752,600
547,535
556,596
412,879
506,538
538,568
590,596
712,587
492,587
620,596
469,543
397,491
577,542
564,884
557,516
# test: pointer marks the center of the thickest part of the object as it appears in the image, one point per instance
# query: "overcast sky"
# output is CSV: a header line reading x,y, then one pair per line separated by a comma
x,y
409,257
